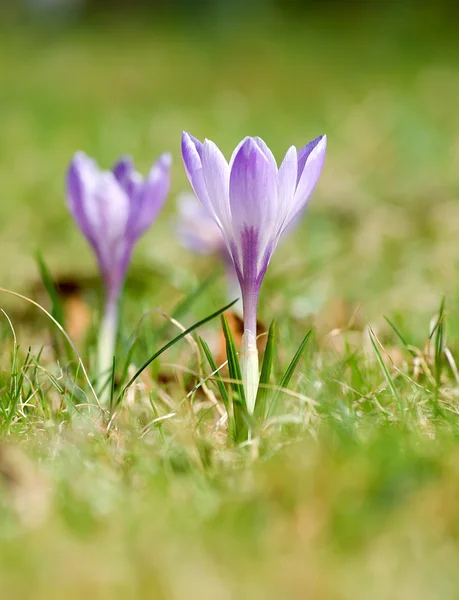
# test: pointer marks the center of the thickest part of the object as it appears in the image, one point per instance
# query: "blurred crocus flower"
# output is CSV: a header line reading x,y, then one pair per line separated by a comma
x,y
113,209
197,231
253,202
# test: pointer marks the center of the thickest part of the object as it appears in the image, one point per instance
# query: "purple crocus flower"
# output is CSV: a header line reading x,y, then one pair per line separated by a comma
x,y
253,202
113,209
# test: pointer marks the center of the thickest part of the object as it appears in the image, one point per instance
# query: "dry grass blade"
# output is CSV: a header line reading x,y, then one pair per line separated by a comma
x,y
64,333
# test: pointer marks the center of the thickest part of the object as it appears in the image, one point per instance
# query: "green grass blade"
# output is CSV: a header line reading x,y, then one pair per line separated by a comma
x,y
112,383
233,360
169,345
240,414
265,375
439,335
218,378
288,373
400,335
384,369
127,362
184,306
50,287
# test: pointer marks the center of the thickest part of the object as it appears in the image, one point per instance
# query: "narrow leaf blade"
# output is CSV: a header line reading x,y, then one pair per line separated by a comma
x,y
240,414
262,395
289,373
169,345
218,378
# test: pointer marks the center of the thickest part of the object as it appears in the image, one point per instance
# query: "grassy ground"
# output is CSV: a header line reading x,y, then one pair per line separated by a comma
x,y
352,489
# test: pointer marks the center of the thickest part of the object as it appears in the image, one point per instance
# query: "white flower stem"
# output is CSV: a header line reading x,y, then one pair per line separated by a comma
x,y
249,368
106,348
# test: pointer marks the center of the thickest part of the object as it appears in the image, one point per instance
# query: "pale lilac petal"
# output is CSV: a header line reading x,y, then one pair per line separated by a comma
x,y
236,150
216,177
123,168
253,195
286,181
309,177
81,176
196,229
149,198
100,207
129,179
304,153
111,208
266,151
192,150
253,187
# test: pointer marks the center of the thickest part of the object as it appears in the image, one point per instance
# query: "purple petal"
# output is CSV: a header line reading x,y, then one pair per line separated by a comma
x,y
216,178
304,153
309,177
82,177
130,180
253,186
266,151
111,209
192,151
123,168
261,144
253,195
196,229
286,181
101,208
236,150
149,198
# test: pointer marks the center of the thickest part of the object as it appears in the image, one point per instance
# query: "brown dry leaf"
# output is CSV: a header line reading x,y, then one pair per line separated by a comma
x,y
77,317
236,325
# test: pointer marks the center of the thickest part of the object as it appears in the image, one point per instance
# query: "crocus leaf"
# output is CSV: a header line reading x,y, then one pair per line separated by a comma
x,y
384,369
288,373
400,335
169,345
240,414
218,378
50,287
438,334
262,395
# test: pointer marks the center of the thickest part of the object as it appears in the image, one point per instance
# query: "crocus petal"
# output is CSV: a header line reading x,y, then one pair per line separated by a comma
x,y
304,153
286,181
266,151
236,150
196,229
81,177
149,199
309,177
253,195
216,178
192,150
129,179
123,168
112,208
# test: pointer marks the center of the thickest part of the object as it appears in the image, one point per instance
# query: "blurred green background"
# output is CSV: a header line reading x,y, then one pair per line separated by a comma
x,y
380,79
365,502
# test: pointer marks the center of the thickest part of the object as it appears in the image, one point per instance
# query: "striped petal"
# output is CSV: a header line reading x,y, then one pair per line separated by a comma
x,y
313,164
253,195
216,178
192,150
